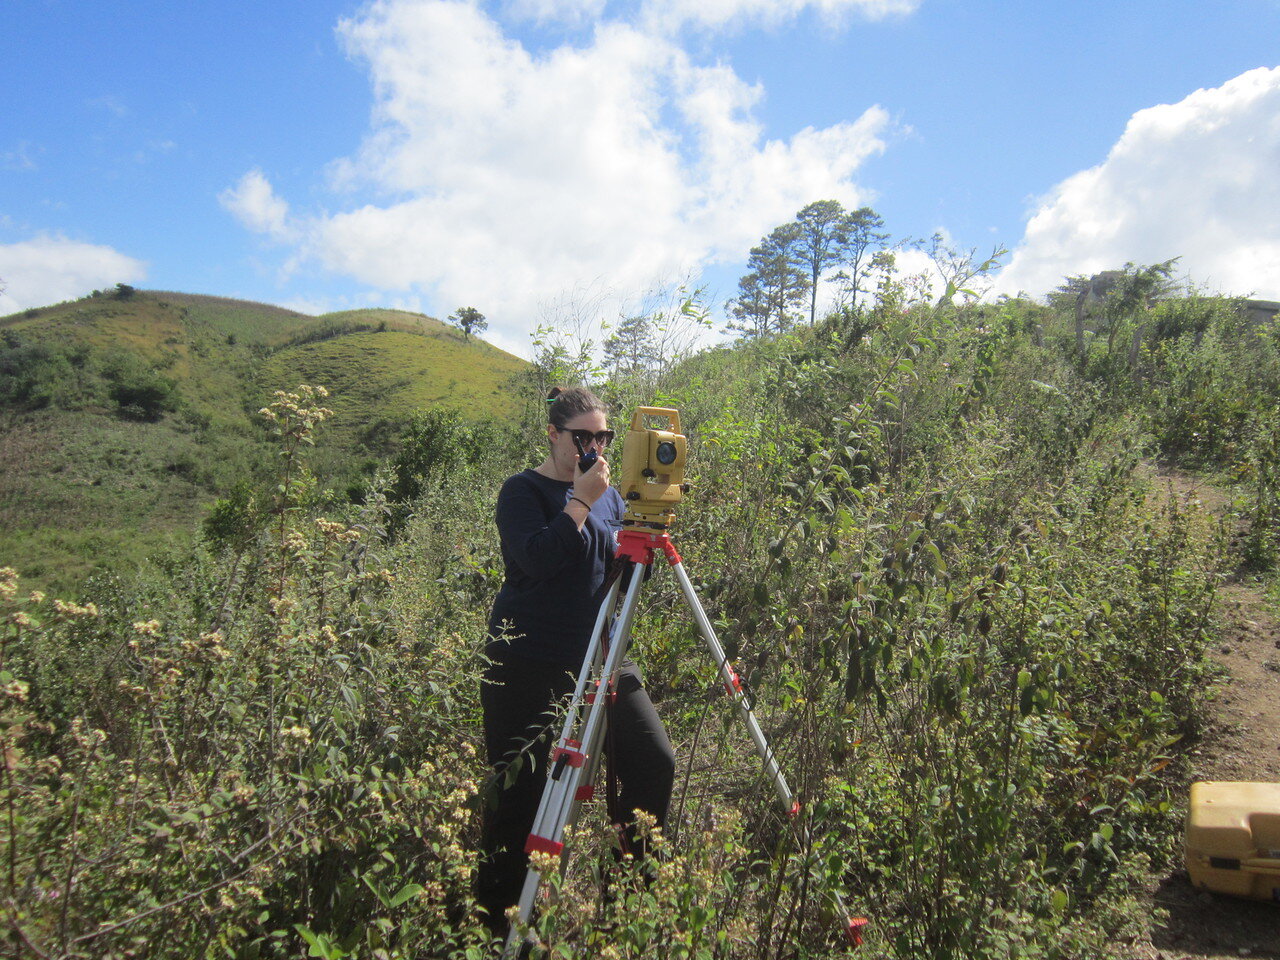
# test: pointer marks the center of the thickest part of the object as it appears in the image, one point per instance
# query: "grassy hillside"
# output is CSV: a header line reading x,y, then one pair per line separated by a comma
x,y
122,418
390,374
80,492
244,320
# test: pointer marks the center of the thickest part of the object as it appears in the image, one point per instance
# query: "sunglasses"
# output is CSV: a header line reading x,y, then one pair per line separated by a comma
x,y
583,438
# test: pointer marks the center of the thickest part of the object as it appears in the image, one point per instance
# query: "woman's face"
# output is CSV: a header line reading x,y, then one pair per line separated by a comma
x,y
562,446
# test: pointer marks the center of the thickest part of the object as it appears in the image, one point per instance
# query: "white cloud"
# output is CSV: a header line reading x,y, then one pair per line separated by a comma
x,y
564,11
502,178
50,269
254,203
312,306
1196,179
671,15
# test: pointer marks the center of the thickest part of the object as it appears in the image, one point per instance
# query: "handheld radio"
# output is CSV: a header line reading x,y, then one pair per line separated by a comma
x,y
585,460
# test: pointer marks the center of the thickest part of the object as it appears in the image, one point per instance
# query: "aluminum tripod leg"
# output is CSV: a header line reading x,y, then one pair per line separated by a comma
x,y
643,546
733,685
853,925
575,757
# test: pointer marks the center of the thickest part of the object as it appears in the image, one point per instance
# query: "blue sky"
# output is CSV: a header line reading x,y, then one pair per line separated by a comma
x,y
540,157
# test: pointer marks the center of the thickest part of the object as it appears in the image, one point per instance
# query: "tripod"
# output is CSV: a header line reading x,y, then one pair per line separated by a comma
x,y
574,760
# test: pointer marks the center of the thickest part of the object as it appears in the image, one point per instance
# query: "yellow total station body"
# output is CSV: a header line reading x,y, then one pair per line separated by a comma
x,y
1233,838
653,467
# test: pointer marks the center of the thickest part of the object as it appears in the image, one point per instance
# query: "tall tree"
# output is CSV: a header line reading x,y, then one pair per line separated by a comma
x,y
750,310
1084,294
631,349
861,235
821,238
774,287
1113,296
469,320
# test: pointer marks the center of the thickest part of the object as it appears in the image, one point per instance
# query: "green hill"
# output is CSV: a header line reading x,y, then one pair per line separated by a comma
x,y
122,416
386,367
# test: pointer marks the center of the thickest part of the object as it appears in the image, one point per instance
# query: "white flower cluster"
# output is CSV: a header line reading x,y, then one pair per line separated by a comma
x,y
337,531
296,735
298,408
74,611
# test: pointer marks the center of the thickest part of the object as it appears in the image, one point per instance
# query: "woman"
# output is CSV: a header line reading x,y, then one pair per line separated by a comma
x,y
559,529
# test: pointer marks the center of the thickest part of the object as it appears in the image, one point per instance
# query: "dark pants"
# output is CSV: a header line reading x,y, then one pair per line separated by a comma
x,y
520,700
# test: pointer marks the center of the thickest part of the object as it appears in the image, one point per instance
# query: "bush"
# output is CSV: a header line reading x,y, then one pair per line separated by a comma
x,y
38,375
139,391
283,775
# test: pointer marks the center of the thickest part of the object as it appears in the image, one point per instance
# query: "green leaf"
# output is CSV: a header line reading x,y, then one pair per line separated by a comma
x,y
377,890
407,892
319,944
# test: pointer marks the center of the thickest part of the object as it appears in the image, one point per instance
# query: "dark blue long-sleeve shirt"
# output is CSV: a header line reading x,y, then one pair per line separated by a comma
x,y
555,573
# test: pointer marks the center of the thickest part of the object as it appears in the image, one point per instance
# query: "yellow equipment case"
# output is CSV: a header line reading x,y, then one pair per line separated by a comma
x,y
1233,838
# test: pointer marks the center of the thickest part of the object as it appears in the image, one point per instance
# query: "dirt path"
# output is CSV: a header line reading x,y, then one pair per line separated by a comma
x,y
1241,743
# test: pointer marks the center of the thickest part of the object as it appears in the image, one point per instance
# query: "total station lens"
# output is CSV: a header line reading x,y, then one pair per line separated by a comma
x,y
666,453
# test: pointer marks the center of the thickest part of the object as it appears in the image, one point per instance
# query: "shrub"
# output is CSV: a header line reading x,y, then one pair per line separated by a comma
x,y
138,390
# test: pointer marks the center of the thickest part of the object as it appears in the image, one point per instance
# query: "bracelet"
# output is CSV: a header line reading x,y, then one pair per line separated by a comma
x,y
581,501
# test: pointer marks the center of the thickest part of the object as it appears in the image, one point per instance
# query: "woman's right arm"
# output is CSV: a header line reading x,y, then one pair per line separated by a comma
x,y
540,548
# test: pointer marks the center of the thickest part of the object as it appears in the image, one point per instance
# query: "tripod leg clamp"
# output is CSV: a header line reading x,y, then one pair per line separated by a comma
x,y
853,930
568,756
537,844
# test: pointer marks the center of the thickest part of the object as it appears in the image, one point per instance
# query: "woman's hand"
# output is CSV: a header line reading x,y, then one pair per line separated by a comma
x,y
590,486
